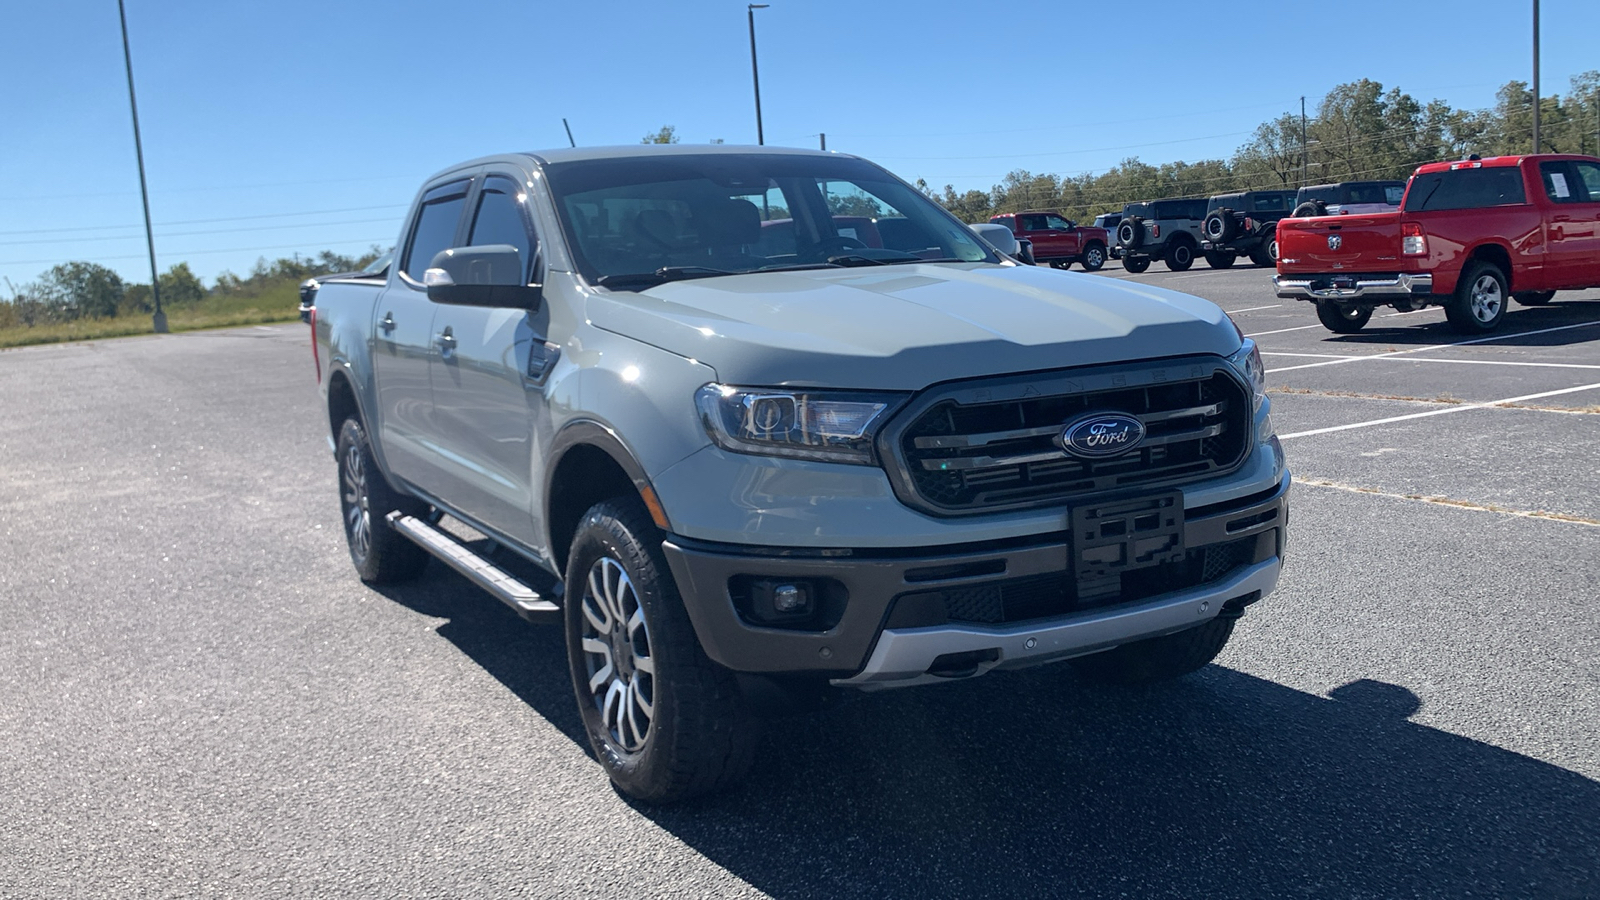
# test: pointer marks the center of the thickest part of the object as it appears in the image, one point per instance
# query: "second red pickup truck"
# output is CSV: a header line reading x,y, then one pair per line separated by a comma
x,y
1470,234
1058,240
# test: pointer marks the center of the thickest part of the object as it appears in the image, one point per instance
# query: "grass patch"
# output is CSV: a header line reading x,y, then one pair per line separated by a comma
x,y
279,303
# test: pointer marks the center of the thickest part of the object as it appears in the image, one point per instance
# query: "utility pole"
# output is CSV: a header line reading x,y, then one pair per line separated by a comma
x,y
569,131
159,321
755,73
1304,154
1536,76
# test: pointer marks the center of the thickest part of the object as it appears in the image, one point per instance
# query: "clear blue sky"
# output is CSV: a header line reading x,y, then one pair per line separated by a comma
x,y
308,125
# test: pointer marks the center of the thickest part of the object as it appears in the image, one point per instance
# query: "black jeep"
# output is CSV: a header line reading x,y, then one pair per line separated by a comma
x,y
1244,224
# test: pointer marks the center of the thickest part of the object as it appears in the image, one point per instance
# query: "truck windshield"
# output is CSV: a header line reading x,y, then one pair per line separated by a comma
x,y
724,214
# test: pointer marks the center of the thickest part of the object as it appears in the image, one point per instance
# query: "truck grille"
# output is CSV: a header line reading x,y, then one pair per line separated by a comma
x,y
959,456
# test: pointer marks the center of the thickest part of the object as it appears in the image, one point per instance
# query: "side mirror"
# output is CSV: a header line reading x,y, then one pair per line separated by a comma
x,y
490,275
998,236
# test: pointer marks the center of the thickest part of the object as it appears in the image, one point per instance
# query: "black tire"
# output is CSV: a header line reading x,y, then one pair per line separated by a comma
x,y
1180,255
381,554
1480,299
1062,264
1533,298
1158,659
1265,254
1136,264
1219,260
1341,319
1130,233
1220,226
1310,209
1094,256
699,736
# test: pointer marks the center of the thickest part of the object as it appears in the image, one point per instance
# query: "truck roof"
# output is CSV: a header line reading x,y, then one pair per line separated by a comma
x,y
625,151
1494,161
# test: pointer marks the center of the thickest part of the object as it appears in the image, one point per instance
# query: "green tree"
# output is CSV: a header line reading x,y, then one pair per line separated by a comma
x,y
75,290
667,135
180,287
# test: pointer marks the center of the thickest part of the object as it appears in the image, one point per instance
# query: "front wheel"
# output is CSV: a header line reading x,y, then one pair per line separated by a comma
x,y
1136,264
1094,256
1180,256
1160,658
665,722
1480,300
1533,298
1341,319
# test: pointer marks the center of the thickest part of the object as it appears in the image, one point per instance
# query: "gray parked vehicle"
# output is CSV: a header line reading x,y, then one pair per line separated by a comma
x,y
1110,221
1348,198
1244,224
1167,230
743,456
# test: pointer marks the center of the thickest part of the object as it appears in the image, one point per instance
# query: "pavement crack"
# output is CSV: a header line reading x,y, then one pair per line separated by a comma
x,y
1439,500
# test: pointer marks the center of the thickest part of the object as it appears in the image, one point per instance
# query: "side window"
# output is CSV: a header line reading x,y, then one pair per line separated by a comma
x,y
1589,174
1031,223
1056,222
500,220
1559,185
436,227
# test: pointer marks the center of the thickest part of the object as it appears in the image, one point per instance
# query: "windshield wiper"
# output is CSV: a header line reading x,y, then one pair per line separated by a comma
x,y
659,276
896,262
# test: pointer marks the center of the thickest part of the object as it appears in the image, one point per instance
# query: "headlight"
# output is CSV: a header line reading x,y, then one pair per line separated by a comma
x,y
1248,361
834,426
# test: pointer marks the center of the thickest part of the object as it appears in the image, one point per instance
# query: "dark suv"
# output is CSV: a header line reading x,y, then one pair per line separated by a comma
x,y
1160,229
1244,224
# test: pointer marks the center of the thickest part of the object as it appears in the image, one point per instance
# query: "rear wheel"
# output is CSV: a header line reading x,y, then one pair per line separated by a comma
x,y
1094,256
1061,264
1480,299
1341,319
381,554
1180,256
1136,264
1158,659
665,722
1219,260
1533,298
1266,253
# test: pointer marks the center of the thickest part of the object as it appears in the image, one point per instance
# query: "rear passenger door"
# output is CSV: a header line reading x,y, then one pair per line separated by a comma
x,y
1573,232
488,377
402,340
1065,235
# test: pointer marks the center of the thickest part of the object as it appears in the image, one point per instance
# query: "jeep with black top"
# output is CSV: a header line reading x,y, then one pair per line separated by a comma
x,y
1168,230
1244,224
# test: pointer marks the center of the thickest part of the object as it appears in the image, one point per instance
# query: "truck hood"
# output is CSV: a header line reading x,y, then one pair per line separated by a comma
x,y
904,327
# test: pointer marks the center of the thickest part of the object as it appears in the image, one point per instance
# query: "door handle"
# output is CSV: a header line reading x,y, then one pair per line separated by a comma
x,y
446,342
387,325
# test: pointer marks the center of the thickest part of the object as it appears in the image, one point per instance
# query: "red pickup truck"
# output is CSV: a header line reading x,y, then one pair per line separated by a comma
x,y
1058,240
1469,235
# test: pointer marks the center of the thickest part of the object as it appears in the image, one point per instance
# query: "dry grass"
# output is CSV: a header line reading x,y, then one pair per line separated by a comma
x,y
277,304
1450,501
1444,398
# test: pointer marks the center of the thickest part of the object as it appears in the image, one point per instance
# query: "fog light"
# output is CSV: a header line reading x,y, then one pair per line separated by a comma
x,y
790,599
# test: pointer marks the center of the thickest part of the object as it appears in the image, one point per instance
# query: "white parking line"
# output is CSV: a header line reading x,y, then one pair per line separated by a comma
x,y
1482,340
1254,308
1281,331
1454,362
1439,412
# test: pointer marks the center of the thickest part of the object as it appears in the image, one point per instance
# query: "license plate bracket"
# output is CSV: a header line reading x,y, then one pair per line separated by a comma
x,y
1122,535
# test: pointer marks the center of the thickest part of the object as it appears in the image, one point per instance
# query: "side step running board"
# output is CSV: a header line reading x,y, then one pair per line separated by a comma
x,y
524,600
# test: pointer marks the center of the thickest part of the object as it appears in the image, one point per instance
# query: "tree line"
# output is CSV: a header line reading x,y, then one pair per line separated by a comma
x,y
1358,132
86,290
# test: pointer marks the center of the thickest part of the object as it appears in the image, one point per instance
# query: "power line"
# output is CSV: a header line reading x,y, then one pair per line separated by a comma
x,y
172,253
308,212
129,237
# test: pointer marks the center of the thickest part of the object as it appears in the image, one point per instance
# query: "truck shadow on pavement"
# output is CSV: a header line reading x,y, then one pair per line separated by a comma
x,y
1037,783
1401,331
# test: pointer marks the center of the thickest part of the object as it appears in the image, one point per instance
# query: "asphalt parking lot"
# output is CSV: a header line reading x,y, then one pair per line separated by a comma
x,y
199,699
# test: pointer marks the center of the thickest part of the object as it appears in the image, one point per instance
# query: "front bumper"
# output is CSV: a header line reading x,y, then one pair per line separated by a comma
x,y
1382,287
876,640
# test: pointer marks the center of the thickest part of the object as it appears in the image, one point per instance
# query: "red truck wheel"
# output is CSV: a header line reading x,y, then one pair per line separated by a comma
x,y
1341,319
1480,300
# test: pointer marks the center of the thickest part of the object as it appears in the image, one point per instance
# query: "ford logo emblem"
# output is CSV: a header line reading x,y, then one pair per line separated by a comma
x,y
1098,435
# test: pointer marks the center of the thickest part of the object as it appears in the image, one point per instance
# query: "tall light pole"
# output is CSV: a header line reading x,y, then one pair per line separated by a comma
x,y
755,72
1536,76
159,321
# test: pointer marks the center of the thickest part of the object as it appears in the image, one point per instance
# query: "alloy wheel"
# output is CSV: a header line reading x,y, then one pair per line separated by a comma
x,y
1486,299
617,655
357,516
